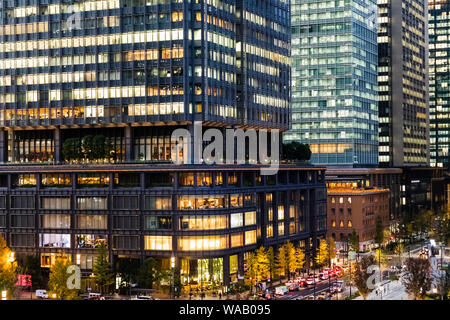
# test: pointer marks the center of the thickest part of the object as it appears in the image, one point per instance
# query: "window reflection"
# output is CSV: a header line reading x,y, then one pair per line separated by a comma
x,y
90,241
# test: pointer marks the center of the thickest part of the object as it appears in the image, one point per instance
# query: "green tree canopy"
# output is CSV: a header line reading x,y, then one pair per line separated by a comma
x,y
379,231
149,273
103,276
296,151
354,241
71,149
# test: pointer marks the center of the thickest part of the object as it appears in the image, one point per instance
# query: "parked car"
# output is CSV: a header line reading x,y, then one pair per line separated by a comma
x,y
41,294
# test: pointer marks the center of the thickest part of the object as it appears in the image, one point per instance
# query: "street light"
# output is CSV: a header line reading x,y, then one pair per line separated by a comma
x,y
4,294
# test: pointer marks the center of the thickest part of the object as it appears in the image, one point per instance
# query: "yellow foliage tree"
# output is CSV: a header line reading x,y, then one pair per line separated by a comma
x,y
322,253
8,267
58,281
262,267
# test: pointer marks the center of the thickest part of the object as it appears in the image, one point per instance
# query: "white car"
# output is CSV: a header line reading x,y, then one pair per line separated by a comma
x,y
42,294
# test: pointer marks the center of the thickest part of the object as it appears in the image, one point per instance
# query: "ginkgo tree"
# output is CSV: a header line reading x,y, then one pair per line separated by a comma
x,y
8,267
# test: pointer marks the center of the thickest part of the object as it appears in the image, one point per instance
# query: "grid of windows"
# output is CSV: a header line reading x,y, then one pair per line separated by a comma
x,y
335,99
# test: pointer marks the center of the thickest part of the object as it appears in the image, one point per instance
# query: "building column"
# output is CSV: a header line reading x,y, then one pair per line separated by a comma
x,y
128,144
57,142
10,143
3,147
226,271
241,272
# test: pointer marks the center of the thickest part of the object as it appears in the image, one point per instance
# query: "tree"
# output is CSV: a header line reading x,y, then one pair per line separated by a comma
x,y
291,258
440,229
71,149
87,144
322,253
8,267
57,283
296,151
98,147
271,257
128,269
262,267
379,231
103,276
400,249
32,265
250,273
149,273
381,258
281,261
331,249
300,257
417,279
354,241
361,274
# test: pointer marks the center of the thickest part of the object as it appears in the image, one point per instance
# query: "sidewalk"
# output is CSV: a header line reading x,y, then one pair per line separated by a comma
x,y
393,291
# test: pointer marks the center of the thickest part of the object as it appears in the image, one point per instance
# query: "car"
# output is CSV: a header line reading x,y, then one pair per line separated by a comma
x,y
323,276
143,298
292,285
310,281
41,294
308,298
338,286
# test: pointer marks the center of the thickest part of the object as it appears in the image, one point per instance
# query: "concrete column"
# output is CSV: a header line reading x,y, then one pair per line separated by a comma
x,y
57,142
128,144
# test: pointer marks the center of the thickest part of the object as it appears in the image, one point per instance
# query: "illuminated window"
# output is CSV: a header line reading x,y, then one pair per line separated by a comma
x,y
237,240
281,228
162,243
203,243
269,230
250,237
250,218
280,212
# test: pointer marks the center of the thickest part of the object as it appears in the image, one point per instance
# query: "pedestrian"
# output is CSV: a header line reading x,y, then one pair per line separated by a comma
x,y
220,295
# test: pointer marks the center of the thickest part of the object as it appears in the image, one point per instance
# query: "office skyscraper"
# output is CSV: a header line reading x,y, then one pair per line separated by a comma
x,y
439,22
334,81
90,94
403,83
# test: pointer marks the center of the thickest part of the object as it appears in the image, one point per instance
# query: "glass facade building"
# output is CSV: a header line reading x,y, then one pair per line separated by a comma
x,y
403,83
334,81
439,23
90,93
